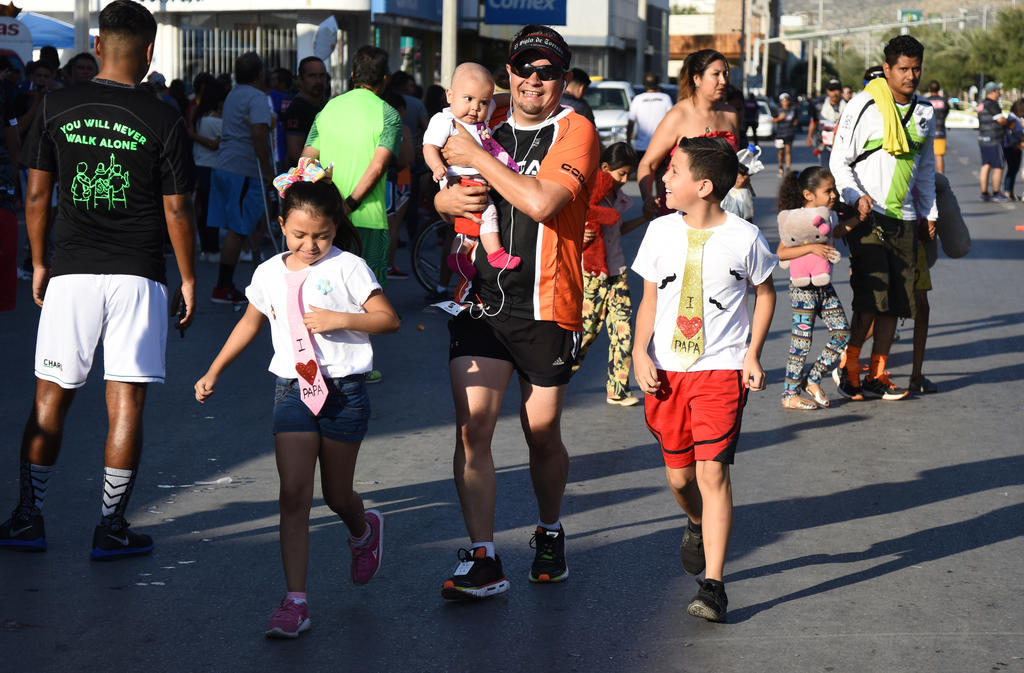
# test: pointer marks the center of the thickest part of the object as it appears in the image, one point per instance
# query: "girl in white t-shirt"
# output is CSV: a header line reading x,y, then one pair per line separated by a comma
x,y
328,319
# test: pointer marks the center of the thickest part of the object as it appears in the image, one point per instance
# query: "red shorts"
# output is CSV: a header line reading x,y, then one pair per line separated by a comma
x,y
464,225
696,415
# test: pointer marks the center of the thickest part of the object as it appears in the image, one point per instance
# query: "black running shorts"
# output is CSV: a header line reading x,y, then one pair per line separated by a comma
x,y
542,352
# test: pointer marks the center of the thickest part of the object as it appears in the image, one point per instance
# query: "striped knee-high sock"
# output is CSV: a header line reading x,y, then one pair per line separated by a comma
x,y
117,488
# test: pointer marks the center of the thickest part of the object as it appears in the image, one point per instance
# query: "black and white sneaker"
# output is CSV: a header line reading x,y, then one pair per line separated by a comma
x,y
883,388
24,531
549,559
710,602
691,551
112,541
844,387
476,576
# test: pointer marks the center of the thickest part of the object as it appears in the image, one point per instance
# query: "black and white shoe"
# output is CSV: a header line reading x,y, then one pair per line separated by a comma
x,y
24,531
112,540
884,389
476,576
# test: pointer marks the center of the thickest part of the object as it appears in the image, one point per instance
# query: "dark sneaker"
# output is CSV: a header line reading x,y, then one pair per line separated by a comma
x,y
710,601
846,387
549,559
112,541
228,295
883,388
24,531
692,550
476,576
985,196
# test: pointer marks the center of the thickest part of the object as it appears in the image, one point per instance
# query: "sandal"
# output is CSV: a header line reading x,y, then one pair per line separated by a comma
x,y
818,395
797,402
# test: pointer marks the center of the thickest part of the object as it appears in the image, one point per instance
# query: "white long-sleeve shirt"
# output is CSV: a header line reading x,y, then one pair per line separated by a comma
x,y
901,186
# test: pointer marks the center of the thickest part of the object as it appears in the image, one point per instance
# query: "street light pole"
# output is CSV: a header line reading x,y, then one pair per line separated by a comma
x,y
81,26
449,38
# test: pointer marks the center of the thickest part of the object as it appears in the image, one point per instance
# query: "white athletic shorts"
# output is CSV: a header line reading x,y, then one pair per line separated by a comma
x,y
128,314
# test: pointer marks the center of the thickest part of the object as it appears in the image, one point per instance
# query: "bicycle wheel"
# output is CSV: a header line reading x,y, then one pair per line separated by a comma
x,y
429,253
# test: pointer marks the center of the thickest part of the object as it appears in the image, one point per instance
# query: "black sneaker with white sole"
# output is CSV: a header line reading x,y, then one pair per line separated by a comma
x,y
710,602
844,387
112,540
884,389
477,576
24,531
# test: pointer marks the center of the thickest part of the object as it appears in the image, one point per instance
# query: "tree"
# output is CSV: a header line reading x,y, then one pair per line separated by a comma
x,y
999,51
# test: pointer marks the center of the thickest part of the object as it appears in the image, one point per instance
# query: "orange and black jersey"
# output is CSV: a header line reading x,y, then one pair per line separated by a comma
x,y
548,284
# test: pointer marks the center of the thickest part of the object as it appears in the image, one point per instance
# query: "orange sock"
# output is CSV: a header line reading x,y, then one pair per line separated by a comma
x,y
877,366
853,365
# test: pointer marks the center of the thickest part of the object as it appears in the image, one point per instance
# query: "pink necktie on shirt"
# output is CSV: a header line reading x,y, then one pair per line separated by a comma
x,y
311,381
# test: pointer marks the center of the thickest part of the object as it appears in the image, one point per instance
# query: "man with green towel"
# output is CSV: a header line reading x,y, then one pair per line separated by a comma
x,y
884,162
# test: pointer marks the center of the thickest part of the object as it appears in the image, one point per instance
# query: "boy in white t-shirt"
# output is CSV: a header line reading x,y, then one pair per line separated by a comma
x,y
470,103
691,354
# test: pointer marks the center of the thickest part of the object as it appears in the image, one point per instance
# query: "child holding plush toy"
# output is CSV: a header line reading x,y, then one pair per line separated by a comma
x,y
807,225
605,288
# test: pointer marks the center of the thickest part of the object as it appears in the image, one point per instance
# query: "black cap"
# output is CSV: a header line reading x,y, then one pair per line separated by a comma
x,y
545,41
833,85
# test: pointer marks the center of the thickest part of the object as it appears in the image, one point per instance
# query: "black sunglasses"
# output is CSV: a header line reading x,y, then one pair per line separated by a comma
x,y
545,72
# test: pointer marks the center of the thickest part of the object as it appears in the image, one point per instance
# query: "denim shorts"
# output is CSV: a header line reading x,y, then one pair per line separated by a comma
x,y
343,418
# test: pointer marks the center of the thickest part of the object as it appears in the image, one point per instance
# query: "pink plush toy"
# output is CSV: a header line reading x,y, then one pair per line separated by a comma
x,y
803,226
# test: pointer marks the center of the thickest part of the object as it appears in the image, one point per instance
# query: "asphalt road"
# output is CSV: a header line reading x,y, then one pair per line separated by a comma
x,y
872,536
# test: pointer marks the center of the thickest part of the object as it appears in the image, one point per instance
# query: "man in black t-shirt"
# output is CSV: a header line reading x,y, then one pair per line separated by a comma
x,y
297,120
124,169
991,123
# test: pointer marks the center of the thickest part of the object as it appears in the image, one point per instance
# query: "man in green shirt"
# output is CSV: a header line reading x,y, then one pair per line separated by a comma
x,y
359,133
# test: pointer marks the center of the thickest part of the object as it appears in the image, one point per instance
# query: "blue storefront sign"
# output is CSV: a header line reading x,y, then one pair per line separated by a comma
x,y
429,10
522,12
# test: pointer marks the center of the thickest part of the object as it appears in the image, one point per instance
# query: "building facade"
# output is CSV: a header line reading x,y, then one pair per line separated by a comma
x,y
618,39
730,27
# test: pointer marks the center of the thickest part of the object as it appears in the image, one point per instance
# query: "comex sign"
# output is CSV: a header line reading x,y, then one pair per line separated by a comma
x,y
520,12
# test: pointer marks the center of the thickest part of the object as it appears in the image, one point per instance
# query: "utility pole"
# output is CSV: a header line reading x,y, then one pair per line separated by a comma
x,y
821,26
810,69
744,39
82,26
765,27
449,38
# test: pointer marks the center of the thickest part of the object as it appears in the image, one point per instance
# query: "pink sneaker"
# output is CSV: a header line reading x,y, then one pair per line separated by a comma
x,y
288,620
366,558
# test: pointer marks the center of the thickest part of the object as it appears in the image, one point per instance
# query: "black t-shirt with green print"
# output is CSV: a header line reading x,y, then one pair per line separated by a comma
x,y
115,151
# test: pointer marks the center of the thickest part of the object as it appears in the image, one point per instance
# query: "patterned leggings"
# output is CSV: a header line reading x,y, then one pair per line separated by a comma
x,y
606,302
809,302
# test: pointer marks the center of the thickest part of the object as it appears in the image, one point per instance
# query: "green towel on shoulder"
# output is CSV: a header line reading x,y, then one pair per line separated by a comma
x,y
894,136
